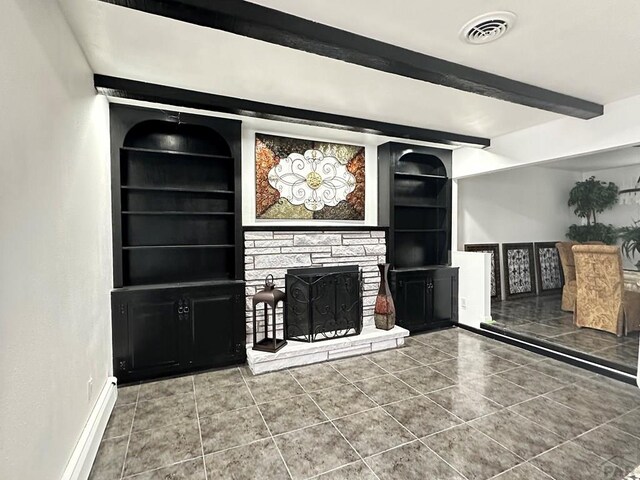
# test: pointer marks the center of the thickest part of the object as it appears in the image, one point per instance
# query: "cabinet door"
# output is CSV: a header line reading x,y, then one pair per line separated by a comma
x,y
413,303
154,334
442,294
149,337
217,319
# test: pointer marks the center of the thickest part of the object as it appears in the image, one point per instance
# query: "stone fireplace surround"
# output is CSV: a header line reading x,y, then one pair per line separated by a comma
x,y
273,251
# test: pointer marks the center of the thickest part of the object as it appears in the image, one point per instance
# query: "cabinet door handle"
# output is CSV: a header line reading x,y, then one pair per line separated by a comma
x,y
186,309
180,310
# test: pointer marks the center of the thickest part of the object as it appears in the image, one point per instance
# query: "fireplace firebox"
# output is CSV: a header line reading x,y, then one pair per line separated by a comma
x,y
323,303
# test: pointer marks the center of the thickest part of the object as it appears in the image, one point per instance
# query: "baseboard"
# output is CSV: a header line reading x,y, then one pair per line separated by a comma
x,y
85,451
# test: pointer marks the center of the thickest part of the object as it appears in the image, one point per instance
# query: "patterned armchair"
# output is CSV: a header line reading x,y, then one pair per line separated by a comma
x,y
601,300
569,273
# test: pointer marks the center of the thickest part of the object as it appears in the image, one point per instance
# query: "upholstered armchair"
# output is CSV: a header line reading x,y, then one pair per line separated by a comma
x,y
601,300
569,273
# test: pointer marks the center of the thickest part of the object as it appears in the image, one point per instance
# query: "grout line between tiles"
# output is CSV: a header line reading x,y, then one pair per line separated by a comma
x,y
195,399
266,425
126,451
334,425
411,433
133,476
337,468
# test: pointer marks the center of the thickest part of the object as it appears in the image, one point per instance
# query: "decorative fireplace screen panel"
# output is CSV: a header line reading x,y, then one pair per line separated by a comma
x,y
323,303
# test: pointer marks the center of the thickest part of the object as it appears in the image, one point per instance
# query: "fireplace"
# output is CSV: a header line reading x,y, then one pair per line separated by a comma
x,y
323,303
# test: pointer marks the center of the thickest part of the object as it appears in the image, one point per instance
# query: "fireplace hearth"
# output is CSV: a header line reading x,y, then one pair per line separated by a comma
x,y
323,303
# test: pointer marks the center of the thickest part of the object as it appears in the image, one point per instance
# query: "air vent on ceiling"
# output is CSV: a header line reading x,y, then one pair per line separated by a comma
x,y
488,27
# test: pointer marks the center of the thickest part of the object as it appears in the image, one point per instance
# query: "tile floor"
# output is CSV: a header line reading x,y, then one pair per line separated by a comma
x,y
449,405
541,318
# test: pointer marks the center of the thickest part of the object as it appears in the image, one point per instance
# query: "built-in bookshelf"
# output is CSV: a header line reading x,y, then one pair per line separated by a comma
x,y
178,202
419,204
178,299
415,202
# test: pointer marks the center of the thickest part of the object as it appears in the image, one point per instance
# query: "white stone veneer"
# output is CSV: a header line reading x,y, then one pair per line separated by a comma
x,y
273,252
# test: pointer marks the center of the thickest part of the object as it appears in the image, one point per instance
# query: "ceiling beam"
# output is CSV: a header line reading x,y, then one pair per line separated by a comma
x,y
150,92
280,28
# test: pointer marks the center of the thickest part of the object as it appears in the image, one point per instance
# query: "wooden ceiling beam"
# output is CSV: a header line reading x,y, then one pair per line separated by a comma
x,y
273,26
149,92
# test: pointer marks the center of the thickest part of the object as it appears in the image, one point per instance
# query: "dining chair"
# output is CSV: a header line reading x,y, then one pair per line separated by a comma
x,y
569,273
601,300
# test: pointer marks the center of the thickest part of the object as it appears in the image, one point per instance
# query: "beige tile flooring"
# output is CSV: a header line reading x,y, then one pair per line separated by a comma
x,y
449,405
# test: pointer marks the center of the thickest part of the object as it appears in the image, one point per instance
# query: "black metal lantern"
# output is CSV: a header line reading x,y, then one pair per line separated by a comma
x,y
270,296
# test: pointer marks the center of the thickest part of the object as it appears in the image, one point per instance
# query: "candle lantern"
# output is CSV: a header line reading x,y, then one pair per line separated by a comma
x,y
270,296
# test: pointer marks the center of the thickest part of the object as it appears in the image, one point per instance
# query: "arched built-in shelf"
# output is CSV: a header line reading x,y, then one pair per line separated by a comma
x,y
177,203
421,210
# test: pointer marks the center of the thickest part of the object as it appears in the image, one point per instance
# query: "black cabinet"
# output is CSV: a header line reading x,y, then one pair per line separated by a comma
x,y
161,331
425,298
178,303
415,202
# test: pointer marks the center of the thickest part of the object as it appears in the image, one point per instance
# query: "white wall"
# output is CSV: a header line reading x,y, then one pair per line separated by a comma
x,y
55,241
620,215
564,138
474,287
520,205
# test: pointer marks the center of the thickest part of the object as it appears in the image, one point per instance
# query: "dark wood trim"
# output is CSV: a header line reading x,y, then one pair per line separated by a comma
x,y
280,28
537,345
150,92
312,228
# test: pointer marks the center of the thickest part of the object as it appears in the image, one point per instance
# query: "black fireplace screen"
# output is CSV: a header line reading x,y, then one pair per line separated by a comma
x,y
323,303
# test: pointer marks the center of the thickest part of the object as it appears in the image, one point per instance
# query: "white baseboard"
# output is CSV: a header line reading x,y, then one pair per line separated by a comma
x,y
85,451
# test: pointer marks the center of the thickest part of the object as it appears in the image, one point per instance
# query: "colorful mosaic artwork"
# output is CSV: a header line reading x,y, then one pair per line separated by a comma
x,y
306,179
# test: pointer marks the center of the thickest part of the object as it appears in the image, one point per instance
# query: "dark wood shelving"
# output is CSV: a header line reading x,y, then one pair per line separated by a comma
x,y
419,176
169,286
411,205
415,200
178,189
178,303
147,247
177,213
175,152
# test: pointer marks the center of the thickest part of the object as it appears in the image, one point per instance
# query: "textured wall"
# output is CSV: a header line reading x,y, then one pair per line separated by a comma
x,y
268,252
55,242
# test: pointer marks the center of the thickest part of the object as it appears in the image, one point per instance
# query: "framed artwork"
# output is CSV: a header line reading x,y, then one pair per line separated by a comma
x,y
307,179
519,271
494,250
548,268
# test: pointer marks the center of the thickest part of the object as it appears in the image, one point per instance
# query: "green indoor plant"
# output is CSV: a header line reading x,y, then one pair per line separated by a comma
x,y
589,198
630,237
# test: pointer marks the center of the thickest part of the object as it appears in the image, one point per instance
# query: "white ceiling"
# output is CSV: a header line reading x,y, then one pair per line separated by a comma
x,y
569,46
585,48
624,157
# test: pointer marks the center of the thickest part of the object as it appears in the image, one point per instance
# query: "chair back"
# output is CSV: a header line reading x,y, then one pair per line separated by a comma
x,y
600,287
567,261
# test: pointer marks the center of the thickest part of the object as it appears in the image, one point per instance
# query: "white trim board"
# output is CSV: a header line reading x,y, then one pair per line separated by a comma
x,y
84,453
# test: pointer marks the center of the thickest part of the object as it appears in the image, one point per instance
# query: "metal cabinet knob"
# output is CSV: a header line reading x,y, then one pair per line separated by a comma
x,y
179,309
